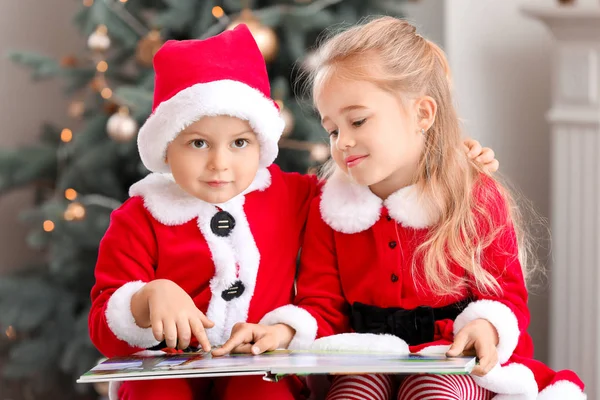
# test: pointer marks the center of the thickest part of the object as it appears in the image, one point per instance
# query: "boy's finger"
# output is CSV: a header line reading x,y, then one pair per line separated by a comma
x,y
184,333
236,339
170,330
475,148
244,348
266,343
467,145
200,333
492,166
207,323
157,330
487,156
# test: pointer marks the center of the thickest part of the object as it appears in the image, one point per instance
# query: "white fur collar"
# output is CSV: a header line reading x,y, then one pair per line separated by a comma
x,y
349,207
171,205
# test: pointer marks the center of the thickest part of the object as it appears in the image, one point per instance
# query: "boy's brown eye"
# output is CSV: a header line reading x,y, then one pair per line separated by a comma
x,y
240,143
198,144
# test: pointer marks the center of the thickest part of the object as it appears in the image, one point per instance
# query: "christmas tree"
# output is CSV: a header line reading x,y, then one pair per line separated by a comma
x,y
82,172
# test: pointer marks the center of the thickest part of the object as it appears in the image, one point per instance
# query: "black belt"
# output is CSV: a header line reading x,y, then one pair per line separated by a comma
x,y
415,326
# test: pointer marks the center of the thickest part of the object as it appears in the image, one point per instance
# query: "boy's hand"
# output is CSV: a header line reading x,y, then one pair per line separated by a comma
x,y
172,314
256,339
484,156
481,336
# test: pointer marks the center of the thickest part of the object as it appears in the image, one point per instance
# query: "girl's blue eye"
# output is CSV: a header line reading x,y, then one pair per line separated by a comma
x,y
240,143
359,123
334,133
198,144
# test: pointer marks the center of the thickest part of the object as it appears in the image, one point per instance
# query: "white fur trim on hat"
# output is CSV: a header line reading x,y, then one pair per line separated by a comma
x,y
223,97
500,316
121,321
299,319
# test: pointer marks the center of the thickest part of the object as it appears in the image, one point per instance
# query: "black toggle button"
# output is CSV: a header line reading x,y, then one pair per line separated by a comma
x,y
394,278
233,291
222,223
388,218
393,244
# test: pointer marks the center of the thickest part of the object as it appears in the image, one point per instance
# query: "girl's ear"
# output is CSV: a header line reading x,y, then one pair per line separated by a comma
x,y
426,110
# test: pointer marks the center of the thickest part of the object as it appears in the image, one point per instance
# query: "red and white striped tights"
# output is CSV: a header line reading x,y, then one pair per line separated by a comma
x,y
414,387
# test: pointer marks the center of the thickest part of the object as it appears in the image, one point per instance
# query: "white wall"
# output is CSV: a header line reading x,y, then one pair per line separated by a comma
x,y
45,27
428,16
502,64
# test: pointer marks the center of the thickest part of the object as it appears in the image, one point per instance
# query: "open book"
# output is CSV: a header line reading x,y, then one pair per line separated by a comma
x,y
272,365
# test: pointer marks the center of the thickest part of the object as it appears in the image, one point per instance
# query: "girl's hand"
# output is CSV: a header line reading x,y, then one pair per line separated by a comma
x,y
256,339
481,336
172,314
484,156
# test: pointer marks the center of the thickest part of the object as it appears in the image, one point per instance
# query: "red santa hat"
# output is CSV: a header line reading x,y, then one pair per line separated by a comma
x,y
222,75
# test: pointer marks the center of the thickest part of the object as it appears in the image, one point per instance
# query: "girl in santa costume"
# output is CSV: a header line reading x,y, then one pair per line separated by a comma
x,y
410,247
211,237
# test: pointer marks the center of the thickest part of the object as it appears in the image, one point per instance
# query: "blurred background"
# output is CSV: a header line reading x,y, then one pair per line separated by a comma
x,y
76,83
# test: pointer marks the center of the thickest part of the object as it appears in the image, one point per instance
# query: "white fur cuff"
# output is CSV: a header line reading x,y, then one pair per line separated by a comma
x,y
120,319
362,343
511,382
299,319
499,315
562,390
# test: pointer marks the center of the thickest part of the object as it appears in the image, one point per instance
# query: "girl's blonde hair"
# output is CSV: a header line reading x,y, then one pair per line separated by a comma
x,y
389,53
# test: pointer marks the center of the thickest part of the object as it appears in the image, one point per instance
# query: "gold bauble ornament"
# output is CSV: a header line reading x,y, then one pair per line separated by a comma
x,y
75,212
99,40
265,37
147,48
121,127
288,118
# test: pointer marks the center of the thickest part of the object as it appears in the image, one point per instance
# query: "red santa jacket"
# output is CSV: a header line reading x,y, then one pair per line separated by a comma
x,y
359,249
161,232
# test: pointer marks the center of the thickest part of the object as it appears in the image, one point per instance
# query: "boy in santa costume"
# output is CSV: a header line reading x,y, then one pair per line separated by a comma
x,y
211,237
182,255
